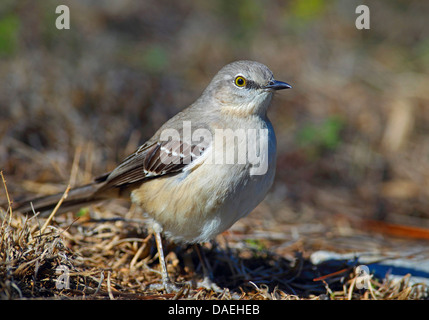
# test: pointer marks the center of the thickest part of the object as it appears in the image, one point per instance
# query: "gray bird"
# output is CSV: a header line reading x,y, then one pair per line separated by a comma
x,y
204,169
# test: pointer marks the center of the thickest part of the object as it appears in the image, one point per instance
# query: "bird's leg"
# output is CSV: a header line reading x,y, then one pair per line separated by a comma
x,y
165,277
166,282
208,281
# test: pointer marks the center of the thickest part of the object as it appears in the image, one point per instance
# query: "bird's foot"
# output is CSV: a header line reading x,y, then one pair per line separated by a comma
x,y
208,284
167,286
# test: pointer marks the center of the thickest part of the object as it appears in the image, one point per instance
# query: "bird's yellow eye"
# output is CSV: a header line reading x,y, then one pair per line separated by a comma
x,y
240,81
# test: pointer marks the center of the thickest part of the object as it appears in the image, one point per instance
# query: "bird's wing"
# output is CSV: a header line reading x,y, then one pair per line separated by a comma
x,y
154,159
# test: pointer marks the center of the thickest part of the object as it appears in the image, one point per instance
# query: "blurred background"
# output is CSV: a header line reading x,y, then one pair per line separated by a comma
x,y
353,133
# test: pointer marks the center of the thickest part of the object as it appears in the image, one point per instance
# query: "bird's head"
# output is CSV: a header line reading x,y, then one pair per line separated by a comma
x,y
244,87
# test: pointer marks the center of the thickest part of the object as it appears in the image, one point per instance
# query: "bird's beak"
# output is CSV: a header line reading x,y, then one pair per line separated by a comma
x,y
277,85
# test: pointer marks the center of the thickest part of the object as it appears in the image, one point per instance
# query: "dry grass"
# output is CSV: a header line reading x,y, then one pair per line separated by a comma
x,y
115,258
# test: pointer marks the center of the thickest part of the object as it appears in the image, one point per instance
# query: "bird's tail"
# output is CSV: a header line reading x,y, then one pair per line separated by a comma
x,y
75,198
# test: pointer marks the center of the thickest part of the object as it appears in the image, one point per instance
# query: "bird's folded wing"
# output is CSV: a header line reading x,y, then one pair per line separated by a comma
x,y
153,160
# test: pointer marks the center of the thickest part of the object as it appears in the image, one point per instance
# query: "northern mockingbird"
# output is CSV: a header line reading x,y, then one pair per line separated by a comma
x,y
204,169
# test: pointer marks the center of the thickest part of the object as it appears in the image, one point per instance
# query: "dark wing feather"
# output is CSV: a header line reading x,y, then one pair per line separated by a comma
x,y
153,160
